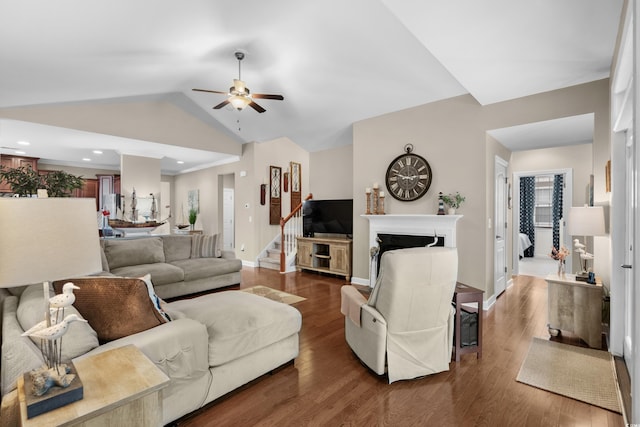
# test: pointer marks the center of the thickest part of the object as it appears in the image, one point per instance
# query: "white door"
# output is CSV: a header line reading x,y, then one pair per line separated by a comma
x,y
228,212
630,212
500,227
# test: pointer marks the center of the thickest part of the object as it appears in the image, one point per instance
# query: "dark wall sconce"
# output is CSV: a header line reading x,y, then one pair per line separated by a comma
x,y
285,182
263,194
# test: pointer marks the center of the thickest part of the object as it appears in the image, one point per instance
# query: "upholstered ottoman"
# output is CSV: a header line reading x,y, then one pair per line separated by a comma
x,y
240,323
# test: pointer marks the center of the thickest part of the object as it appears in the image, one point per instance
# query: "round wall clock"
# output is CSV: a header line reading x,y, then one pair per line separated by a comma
x,y
408,176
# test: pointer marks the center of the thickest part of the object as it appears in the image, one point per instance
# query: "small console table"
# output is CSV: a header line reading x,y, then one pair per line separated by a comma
x,y
467,294
121,387
575,307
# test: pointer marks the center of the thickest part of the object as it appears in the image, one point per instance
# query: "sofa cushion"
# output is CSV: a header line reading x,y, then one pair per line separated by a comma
x,y
19,354
201,268
176,247
115,306
240,323
205,246
123,253
161,273
79,338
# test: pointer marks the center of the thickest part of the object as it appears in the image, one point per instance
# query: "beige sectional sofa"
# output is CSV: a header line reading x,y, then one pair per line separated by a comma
x,y
175,263
213,344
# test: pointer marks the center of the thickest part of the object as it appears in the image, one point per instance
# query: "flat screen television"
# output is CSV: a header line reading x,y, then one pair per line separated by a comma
x,y
327,217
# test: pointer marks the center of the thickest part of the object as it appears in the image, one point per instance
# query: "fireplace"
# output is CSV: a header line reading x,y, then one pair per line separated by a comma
x,y
387,232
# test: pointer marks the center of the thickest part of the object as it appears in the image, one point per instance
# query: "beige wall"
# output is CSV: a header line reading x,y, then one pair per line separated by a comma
x,y
331,174
253,231
451,135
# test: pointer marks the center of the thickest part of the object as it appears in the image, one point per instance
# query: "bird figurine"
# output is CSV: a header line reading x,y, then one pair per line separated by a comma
x,y
41,325
66,298
578,245
55,331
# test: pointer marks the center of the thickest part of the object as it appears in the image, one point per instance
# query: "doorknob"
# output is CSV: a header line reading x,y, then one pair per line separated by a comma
x,y
626,266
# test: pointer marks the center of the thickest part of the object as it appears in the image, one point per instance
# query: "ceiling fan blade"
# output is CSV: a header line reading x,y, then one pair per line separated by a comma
x,y
222,104
267,96
256,107
210,91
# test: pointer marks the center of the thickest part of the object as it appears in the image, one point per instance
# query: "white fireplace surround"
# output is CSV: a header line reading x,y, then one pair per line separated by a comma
x,y
442,226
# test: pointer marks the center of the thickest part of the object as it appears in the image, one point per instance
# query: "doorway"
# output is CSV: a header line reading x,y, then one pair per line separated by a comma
x,y
500,227
540,264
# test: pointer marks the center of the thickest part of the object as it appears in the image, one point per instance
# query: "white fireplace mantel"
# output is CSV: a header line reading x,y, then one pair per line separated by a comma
x,y
442,226
417,225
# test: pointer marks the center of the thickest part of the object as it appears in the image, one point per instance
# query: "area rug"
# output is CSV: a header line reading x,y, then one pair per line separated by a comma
x,y
274,294
579,373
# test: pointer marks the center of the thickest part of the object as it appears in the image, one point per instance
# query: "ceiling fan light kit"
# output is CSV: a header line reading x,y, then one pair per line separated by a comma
x,y
239,95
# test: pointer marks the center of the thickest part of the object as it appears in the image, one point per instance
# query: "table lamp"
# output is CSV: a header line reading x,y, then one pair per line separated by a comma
x,y
43,240
585,221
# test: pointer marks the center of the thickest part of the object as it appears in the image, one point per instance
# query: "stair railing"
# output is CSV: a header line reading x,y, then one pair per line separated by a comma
x,y
290,229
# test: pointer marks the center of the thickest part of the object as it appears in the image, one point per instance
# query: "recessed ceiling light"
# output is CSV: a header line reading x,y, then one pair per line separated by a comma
x,y
97,152
180,162
20,152
86,159
24,143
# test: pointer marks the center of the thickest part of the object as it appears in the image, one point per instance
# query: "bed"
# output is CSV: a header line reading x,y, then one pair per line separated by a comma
x,y
524,244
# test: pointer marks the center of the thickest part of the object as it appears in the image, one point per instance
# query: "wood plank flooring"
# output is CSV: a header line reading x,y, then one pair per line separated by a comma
x,y
327,385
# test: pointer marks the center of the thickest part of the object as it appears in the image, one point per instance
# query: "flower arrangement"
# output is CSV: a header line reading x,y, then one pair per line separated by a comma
x,y
559,255
453,200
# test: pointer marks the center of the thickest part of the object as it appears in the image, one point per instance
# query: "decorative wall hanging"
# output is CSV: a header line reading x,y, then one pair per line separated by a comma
x,y
275,201
263,194
285,182
296,184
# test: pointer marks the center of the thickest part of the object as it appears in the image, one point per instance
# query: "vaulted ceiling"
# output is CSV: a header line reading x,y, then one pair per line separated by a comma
x,y
335,62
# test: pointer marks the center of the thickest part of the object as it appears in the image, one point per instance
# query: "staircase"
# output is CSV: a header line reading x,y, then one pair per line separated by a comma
x,y
280,253
272,258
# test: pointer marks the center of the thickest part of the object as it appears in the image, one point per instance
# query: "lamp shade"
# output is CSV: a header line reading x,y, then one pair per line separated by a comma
x,y
586,221
47,239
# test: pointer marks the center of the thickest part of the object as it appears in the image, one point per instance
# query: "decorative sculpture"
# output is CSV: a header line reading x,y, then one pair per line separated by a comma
x,y
50,332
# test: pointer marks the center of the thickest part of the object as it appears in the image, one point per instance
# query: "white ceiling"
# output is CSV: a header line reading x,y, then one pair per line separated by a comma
x,y
335,62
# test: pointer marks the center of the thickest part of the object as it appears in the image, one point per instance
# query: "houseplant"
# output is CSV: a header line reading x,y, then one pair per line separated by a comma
x,y
25,181
454,201
193,215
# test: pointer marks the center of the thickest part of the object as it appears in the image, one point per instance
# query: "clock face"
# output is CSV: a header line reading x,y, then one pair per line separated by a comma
x,y
408,177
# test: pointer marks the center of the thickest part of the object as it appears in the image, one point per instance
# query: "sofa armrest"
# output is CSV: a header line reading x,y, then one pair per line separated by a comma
x,y
228,254
179,348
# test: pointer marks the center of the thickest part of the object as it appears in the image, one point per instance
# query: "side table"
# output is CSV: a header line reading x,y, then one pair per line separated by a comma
x,y
575,307
467,294
121,387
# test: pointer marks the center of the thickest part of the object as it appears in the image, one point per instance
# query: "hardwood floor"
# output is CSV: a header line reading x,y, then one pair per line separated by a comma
x,y
327,385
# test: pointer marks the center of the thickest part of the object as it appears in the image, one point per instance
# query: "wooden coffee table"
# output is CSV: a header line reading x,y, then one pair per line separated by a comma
x,y
121,387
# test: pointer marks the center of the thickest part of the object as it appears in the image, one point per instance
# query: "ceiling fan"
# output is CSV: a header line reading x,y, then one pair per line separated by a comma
x,y
239,95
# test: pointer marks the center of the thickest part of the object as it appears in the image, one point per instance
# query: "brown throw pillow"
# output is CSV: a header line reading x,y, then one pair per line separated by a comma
x,y
115,307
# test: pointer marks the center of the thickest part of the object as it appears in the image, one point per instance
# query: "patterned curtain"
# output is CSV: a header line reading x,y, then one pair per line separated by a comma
x,y
558,185
527,206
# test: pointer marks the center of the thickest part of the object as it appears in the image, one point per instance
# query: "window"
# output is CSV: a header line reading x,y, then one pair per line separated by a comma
x,y
544,201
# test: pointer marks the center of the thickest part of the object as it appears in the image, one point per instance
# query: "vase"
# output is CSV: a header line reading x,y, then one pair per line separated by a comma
x,y
561,268
451,211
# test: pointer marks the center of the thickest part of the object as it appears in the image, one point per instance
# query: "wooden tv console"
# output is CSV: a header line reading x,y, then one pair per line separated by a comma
x,y
325,254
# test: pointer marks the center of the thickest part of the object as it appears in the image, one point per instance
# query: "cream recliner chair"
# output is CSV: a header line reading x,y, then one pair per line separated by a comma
x,y
408,320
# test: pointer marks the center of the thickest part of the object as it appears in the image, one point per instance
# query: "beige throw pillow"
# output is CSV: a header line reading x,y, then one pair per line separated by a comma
x,y
205,246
